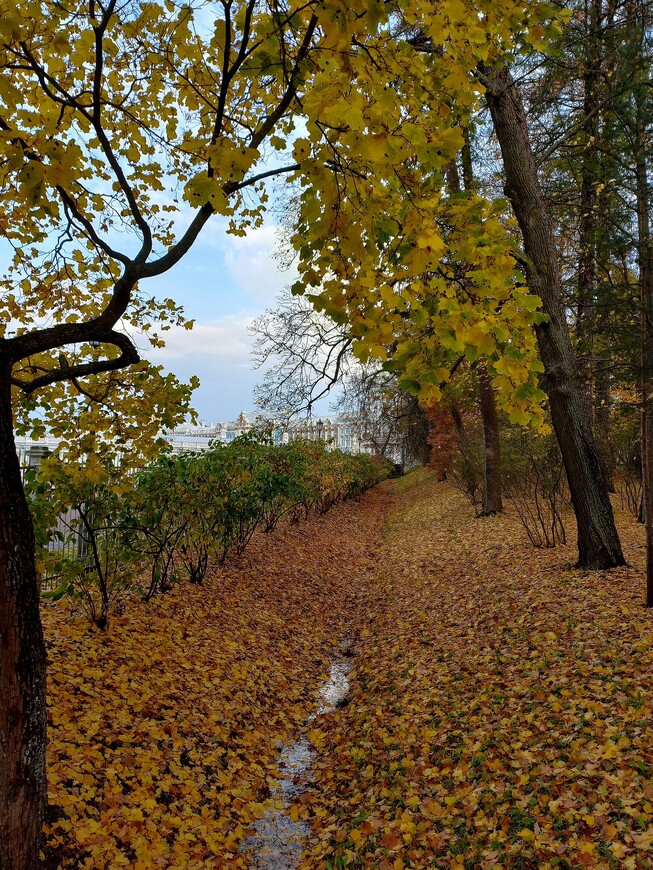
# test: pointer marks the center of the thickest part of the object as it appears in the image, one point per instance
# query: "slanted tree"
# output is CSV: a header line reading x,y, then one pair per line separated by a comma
x,y
598,541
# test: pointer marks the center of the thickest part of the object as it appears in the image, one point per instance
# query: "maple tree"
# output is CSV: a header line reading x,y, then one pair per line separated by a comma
x,y
403,283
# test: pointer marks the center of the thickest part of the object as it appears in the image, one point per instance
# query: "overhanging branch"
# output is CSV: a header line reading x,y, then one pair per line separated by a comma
x,y
128,356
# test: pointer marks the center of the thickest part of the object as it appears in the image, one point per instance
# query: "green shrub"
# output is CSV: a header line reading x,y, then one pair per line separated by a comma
x,y
143,529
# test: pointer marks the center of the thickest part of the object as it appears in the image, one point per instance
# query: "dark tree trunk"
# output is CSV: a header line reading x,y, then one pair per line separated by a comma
x,y
598,541
22,664
492,503
459,426
602,415
586,304
638,20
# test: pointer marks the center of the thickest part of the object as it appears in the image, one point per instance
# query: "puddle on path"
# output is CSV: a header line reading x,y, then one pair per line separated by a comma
x,y
277,842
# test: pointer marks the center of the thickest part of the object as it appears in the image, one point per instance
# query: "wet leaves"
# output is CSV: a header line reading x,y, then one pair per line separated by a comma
x,y
501,704
164,732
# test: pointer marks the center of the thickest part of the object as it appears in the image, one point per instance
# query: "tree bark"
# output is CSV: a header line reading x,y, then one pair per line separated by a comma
x,y
586,304
23,790
492,502
638,20
598,542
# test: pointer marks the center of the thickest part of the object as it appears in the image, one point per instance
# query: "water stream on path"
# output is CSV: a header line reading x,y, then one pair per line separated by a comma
x,y
277,842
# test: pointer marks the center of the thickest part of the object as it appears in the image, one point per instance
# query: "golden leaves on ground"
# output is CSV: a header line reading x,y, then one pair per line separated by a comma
x,y
501,706
499,716
164,731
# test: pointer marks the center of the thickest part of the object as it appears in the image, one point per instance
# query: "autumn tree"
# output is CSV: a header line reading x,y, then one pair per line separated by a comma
x,y
394,281
111,112
492,500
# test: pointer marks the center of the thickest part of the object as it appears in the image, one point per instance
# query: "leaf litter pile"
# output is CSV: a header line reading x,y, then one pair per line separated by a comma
x,y
499,713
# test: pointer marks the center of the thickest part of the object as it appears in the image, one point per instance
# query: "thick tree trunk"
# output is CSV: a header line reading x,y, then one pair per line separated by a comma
x,y
22,664
492,503
598,541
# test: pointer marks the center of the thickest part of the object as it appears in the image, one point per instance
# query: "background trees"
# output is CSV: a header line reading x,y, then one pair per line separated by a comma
x,y
589,107
305,355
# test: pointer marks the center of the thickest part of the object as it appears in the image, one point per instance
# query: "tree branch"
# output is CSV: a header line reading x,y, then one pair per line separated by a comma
x,y
128,356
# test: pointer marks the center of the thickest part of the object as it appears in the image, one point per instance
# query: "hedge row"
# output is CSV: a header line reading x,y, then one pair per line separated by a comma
x,y
101,532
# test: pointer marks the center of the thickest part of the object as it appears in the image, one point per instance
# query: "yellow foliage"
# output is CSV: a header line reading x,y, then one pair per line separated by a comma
x,y
164,731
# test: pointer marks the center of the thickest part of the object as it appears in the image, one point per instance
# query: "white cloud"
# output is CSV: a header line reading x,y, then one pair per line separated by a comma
x,y
225,338
219,353
253,266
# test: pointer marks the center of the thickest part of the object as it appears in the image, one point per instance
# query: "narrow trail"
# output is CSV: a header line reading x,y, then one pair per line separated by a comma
x,y
490,707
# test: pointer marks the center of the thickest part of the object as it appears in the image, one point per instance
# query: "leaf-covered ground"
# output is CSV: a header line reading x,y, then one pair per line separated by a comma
x,y
164,729
500,710
502,704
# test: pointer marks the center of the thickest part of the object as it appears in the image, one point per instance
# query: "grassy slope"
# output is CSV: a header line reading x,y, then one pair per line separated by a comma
x,y
502,709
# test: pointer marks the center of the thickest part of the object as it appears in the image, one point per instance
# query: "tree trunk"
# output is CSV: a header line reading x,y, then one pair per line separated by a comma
x,y
602,416
637,18
23,789
459,426
598,541
586,304
492,503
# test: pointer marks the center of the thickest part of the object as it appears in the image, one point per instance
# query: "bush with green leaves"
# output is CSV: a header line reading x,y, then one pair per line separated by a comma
x,y
82,553
103,529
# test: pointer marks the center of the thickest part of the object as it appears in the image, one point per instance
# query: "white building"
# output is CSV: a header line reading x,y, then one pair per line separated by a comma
x,y
340,433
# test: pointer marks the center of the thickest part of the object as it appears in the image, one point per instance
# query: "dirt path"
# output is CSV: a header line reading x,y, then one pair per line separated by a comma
x,y
501,705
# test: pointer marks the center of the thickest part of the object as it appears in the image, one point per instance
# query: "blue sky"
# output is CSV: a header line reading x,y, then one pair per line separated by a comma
x,y
224,282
